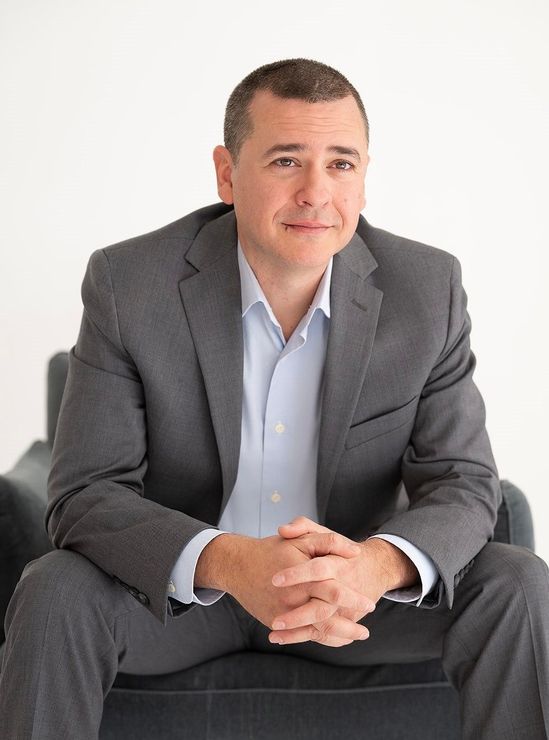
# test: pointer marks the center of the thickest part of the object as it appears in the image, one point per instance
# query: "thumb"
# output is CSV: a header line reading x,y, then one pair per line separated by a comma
x,y
299,526
332,543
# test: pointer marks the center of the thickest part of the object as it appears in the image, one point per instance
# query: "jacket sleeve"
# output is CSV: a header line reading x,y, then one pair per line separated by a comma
x,y
448,468
96,504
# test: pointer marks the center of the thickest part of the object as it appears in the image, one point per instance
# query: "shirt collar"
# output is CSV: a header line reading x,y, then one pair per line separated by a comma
x,y
252,292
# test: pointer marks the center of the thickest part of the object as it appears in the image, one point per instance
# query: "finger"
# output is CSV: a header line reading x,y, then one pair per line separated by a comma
x,y
326,598
312,570
317,569
328,543
353,614
329,642
315,610
333,632
299,526
343,598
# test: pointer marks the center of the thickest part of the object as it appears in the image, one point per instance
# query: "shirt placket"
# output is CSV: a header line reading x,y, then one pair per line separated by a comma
x,y
280,436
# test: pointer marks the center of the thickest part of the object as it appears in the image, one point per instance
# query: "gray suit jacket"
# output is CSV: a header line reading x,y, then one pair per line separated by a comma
x,y
147,444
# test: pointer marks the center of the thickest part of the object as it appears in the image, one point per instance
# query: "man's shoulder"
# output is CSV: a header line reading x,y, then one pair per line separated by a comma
x,y
183,231
148,263
406,270
386,246
404,263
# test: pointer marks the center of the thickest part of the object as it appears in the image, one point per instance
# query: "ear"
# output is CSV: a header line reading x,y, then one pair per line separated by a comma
x,y
223,170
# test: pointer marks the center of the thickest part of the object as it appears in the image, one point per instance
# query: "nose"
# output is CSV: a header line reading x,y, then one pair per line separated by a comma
x,y
313,189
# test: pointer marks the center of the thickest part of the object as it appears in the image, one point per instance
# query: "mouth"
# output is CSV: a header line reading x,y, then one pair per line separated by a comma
x,y
308,227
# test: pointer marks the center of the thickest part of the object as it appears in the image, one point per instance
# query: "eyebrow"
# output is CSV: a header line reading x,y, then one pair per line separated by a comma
x,y
345,151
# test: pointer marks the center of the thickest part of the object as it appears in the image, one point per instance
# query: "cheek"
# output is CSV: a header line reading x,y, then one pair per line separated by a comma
x,y
260,194
352,202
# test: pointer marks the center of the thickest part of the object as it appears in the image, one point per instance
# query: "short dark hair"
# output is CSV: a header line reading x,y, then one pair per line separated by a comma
x,y
298,79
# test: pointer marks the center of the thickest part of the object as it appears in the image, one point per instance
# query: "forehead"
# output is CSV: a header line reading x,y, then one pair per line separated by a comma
x,y
273,117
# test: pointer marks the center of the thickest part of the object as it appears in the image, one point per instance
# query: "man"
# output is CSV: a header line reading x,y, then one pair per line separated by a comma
x,y
270,413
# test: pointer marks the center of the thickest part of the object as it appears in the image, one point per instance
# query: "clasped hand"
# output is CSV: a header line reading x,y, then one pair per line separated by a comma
x,y
325,584
342,585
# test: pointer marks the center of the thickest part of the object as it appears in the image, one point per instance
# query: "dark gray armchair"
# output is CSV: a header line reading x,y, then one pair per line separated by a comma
x,y
244,695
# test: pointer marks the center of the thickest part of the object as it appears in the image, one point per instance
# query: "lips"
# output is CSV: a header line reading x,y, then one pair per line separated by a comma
x,y
309,224
312,228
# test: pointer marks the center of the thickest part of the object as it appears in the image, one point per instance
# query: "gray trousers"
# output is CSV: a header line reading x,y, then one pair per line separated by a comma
x,y
70,628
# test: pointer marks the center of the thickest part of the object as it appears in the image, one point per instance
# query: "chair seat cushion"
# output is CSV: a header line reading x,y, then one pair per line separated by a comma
x,y
270,697
254,670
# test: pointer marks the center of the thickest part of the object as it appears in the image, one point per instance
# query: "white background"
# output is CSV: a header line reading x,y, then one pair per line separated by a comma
x,y
110,111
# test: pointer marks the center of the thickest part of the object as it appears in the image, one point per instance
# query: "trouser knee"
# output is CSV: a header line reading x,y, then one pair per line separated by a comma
x,y
505,581
514,572
62,585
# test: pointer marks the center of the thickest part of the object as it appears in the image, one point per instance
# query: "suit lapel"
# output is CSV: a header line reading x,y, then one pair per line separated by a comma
x,y
212,302
355,306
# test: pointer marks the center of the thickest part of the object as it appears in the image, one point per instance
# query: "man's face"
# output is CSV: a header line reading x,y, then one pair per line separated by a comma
x,y
298,187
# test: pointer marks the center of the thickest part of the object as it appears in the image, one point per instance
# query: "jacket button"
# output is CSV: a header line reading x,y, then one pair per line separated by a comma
x,y
133,591
143,598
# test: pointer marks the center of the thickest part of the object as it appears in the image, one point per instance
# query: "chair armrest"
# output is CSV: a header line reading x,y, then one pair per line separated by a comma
x,y
31,471
23,535
514,524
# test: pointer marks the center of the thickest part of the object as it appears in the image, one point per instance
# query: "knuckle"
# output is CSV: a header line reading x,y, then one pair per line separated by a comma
x,y
320,632
324,611
326,628
315,634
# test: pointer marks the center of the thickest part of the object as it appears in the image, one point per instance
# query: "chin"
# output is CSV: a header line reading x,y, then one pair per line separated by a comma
x,y
309,258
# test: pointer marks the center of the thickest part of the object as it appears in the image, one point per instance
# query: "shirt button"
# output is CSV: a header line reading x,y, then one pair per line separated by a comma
x,y
280,428
171,587
275,498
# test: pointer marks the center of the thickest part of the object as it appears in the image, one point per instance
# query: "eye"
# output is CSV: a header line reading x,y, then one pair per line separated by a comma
x,y
343,165
284,162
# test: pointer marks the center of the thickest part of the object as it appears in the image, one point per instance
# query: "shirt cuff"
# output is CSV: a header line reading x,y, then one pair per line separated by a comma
x,y
428,573
181,585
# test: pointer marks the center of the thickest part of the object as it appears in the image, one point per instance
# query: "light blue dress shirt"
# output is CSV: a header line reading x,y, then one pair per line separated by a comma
x,y
276,479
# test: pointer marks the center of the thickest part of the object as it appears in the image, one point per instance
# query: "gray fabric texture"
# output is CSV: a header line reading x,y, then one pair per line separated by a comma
x,y
279,714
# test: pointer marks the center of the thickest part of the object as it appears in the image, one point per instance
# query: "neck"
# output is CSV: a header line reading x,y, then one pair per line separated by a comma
x,y
289,291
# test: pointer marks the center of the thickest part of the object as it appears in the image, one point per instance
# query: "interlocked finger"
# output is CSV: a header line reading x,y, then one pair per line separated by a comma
x,y
315,610
326,597
336,592
332,632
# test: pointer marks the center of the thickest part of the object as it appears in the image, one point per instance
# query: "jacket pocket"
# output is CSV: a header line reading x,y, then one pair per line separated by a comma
x,y
383,424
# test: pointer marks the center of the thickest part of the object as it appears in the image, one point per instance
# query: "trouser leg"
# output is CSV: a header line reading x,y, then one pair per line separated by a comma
x,y
70,628
494,644
496,650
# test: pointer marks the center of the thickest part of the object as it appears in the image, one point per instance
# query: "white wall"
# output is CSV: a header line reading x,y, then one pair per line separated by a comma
x,y
110,110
